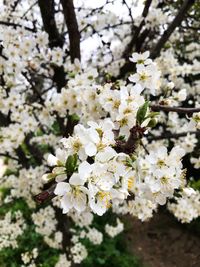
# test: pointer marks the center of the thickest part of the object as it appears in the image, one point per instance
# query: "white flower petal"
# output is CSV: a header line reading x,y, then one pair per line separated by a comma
x,y
145,55
75,179
97,207
105,155
66,203
85,169
52,160
93,135
137,89
62,188
80,202
90,149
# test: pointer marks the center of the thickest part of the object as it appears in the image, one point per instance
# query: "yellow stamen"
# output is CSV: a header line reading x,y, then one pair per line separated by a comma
x,y
105,196
130,183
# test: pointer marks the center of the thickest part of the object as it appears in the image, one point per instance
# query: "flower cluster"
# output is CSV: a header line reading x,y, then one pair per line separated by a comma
x,y
93,123
90,170
29,257
187,207
11,227
96,185
112,231
121,101
161,173
79,252
45,223
26,184
62,261
113,176
141,208
147,74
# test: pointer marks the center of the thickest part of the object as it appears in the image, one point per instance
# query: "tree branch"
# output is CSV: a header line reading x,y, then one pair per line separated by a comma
x,y
4,120
6,155
129,10
15,25
128,147
175,23
64,225
47,12
55,39
172,135
72,26
174,109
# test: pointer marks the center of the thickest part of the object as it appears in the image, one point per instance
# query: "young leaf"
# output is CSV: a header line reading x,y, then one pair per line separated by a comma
x,y
141,113
71,163
152,123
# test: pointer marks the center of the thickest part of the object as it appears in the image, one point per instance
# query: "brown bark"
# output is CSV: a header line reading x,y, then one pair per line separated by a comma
x,y
55,39
72,26
47,13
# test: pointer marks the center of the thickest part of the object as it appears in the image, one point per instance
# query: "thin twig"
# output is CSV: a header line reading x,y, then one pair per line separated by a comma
x,y
8,156
15,25
35,3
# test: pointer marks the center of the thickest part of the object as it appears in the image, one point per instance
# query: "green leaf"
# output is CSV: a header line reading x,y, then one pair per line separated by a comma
x,y
71,163
152,123
141,113
71,75
121,138
55,128
74,118
152,114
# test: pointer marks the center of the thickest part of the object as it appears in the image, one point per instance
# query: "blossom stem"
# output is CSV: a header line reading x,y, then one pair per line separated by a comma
x,y
45,195
128,147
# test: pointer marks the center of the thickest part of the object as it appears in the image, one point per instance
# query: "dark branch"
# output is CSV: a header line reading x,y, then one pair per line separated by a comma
x,y
174,109
47,12
128,147
172,135
15,25
35,3
55,39
6,155
72,26
4,120
129,9
175,23
64,225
